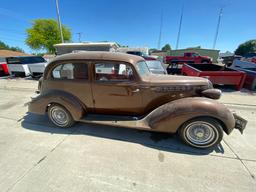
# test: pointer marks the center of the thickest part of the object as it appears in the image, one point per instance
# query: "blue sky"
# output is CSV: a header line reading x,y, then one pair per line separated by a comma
x,y
136,22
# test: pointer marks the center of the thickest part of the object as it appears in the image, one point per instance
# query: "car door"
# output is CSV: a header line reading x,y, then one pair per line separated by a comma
x,y
115,89
72,77
187,57
196,58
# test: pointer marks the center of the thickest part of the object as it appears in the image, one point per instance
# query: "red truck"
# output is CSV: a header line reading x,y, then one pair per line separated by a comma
x,y
188,57
218,75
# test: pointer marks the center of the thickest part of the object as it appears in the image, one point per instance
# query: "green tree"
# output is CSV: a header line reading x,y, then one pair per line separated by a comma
x,y
7,47
247,47
45,33
167,47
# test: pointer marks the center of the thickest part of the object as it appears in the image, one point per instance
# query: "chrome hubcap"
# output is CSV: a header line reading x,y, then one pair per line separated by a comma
x,y
200,133
59,115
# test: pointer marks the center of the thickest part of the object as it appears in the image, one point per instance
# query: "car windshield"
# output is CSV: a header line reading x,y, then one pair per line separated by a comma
x,y
143,68
155,64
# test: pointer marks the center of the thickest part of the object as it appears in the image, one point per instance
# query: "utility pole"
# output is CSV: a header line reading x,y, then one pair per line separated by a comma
x,y
79,36
217,29
160,32
59,22
178,37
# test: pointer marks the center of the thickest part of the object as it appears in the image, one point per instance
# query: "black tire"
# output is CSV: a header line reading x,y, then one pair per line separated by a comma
x,y
14,74
60,116
195,130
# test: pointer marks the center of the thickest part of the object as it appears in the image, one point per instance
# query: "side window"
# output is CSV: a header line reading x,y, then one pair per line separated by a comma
x,y
71,71
188,55
113,72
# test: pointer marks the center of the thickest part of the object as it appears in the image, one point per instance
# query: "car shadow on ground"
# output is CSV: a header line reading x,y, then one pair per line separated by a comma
x,y
160,141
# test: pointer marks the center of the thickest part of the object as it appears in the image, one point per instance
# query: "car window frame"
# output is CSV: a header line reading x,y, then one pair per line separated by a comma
x,y
49,75
93,63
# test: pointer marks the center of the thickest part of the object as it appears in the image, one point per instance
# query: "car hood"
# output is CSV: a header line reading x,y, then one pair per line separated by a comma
x,y
160,79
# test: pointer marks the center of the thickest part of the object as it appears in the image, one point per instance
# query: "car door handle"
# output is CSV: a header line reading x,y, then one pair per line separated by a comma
x,y
135,90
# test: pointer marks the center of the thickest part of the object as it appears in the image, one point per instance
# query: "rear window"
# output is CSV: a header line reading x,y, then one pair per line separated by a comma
x,y
71,71
25,60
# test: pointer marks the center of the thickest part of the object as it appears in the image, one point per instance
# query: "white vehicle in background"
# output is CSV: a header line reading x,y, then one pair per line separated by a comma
x,y
26,65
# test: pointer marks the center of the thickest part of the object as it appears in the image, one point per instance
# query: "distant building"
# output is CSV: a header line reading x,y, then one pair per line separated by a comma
x,y
159,53
213,53
63,48
8,53
226,54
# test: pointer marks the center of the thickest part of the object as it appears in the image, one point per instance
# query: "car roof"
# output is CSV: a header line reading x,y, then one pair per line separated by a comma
x,y
99,55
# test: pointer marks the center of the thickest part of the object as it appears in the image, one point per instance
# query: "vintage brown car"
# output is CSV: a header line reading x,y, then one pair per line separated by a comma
x,y
118,89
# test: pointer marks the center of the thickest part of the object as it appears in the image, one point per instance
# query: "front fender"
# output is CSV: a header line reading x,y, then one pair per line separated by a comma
x,y
40,103
170,116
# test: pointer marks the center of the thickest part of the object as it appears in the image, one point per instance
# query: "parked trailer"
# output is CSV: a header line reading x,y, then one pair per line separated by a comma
x,y
218,75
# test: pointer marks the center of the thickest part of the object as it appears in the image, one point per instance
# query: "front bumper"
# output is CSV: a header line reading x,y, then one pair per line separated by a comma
x,y
240,123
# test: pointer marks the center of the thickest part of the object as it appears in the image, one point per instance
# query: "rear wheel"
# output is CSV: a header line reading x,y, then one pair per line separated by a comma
x,y
60,116
202,132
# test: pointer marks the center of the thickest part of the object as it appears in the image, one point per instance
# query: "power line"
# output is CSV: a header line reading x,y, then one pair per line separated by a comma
x,y
79,36
217,29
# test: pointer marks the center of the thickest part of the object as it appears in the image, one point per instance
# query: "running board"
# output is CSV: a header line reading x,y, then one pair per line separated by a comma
x,y
120,121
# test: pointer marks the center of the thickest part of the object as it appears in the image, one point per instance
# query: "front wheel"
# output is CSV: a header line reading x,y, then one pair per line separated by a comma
x,y
60,116
201,132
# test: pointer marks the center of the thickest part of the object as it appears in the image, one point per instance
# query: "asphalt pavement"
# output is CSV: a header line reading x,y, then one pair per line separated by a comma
x,y
36,156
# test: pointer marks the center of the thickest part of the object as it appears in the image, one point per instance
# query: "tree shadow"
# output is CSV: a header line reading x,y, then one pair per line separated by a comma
x,y
160,141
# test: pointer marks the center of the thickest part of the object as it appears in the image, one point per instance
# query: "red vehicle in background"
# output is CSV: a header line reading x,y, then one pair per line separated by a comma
x,y
3,67
188,57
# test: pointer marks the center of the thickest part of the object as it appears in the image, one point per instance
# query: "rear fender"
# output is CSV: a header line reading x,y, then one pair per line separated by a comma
x,y
170,116
40,104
